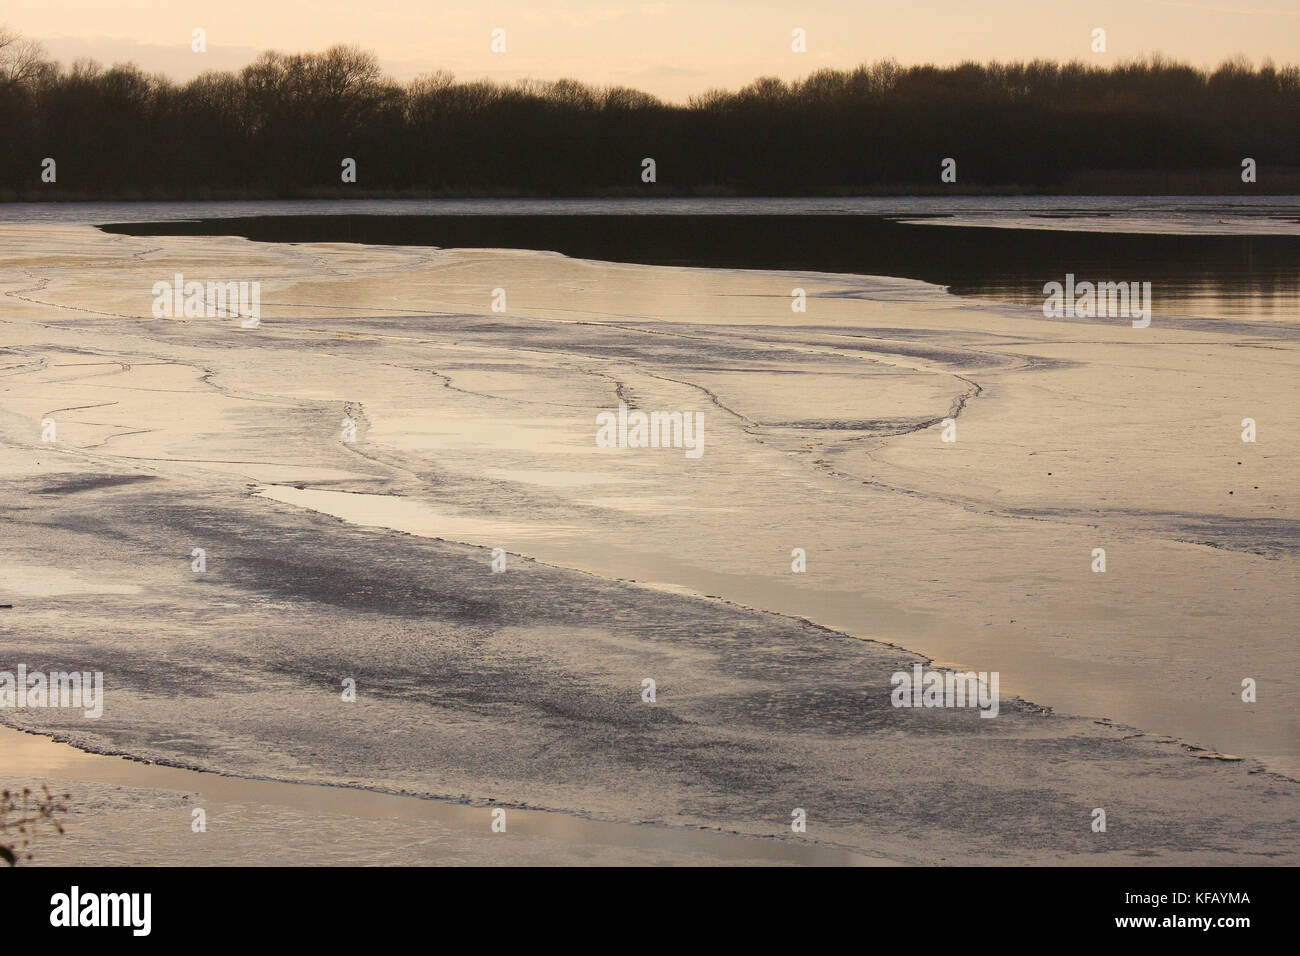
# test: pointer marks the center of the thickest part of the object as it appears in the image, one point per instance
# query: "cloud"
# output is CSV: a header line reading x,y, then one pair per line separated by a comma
x,y
176,60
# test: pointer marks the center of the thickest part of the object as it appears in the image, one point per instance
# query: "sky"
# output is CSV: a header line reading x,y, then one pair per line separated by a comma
x,y
671,49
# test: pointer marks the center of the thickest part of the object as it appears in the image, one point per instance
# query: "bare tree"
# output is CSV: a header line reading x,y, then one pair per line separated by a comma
x,y
282,124
21,60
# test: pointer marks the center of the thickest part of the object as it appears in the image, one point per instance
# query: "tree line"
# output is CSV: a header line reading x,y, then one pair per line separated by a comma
x,y
282,126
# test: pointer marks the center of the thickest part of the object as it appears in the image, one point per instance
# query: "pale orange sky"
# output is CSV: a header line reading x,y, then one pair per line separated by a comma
x,y
671,49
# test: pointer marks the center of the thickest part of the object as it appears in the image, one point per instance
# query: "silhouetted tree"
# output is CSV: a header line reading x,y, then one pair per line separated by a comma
x,y
283,125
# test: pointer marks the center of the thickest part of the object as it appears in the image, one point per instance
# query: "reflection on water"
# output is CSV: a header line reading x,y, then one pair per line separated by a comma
x,y
1208,262
1272,296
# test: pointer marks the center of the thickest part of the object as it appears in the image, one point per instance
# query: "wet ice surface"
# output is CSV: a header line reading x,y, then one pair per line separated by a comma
x,y
122,805
820,433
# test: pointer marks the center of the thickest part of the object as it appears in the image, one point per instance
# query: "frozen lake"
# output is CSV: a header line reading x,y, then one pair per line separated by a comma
x,y
371,558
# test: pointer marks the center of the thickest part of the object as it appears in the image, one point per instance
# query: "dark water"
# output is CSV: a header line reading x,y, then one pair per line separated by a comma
x,y
1242,276
1219,215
